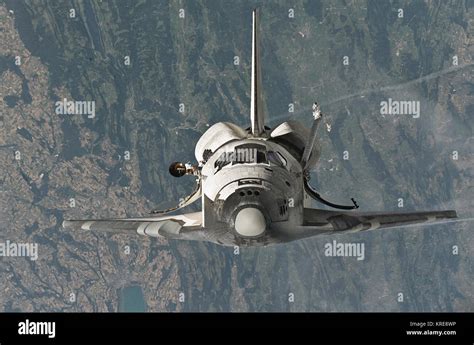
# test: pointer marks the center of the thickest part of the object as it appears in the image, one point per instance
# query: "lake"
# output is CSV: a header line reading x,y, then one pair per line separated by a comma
x,y
132,299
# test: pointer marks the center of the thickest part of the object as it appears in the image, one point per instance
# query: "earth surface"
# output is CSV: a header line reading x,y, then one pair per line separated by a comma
x,y
160,73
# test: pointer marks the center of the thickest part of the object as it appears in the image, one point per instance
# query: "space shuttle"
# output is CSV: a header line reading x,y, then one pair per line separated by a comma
x,y
254,186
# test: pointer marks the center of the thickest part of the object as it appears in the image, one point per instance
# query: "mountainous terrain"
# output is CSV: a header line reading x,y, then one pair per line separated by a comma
x,y
161,72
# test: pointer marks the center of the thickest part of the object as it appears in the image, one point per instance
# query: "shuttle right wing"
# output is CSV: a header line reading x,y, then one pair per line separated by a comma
x,y
354,222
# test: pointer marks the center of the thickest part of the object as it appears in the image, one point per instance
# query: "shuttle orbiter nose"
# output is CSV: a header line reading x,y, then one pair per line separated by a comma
x,y
250,222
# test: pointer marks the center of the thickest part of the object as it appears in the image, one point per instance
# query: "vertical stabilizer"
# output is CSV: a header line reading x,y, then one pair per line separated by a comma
x,y
256,107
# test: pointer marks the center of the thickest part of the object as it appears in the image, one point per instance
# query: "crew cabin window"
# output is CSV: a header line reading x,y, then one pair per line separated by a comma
x,y
242,154
221,162
276,158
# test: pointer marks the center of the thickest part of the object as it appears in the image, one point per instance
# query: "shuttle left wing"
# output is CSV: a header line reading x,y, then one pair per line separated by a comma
x,y
184,226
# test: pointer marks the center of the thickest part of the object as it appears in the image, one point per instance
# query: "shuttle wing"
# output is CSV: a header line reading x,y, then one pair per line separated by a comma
x,y
353,222
184,226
